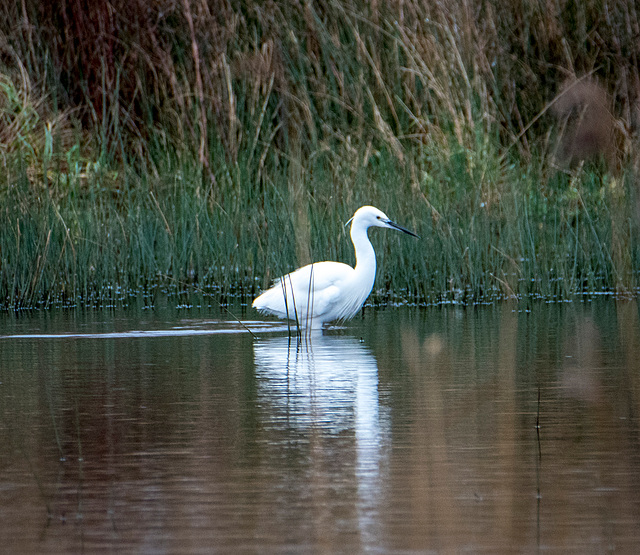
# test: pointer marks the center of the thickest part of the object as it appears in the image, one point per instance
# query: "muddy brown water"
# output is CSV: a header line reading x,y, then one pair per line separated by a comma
x,y
497,429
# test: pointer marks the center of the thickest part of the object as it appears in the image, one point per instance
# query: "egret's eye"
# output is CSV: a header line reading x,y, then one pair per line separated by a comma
x,y
378,217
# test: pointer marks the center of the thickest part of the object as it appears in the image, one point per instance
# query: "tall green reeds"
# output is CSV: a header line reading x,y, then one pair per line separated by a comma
x,y
221,144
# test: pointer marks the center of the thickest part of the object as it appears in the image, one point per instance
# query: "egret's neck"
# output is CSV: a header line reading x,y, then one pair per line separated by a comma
x,y
365,255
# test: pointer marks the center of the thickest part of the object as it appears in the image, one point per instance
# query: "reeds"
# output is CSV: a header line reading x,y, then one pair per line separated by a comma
x,y
223,144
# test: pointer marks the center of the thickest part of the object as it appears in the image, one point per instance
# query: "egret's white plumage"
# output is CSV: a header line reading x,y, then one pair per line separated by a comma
x,y
327,291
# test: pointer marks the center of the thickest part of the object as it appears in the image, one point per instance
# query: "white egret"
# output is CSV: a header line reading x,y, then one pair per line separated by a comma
x,y
328,291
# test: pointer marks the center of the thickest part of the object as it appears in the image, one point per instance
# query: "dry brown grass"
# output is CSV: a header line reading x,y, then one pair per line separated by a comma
x,y
250,76
585,112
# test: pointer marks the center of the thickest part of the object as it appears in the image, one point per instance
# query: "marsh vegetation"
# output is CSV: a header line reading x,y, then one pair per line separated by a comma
x,y
215,145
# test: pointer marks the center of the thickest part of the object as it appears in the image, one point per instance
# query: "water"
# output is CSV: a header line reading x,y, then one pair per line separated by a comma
x,y
509,428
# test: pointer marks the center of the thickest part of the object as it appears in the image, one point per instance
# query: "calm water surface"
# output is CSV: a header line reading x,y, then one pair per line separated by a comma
x,y
407,431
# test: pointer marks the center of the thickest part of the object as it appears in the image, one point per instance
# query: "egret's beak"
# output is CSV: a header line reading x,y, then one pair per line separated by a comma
x,y
394,225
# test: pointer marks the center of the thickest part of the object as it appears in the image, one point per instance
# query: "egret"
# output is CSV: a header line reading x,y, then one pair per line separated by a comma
x,y
329,291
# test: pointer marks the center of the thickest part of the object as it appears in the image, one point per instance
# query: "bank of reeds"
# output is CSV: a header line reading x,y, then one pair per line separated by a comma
x,y
221,144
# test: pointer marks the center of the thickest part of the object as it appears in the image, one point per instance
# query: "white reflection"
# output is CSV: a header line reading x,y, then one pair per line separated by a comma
x,y
205,327
328,384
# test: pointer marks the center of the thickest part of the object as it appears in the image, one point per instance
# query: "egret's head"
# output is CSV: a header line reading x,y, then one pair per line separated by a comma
x,y
369,216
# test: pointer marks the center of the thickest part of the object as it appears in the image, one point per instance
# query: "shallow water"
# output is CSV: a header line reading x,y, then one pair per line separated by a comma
x,y
509,428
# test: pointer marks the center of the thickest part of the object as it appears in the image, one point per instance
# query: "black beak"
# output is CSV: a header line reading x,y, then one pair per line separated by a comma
x,y
400,228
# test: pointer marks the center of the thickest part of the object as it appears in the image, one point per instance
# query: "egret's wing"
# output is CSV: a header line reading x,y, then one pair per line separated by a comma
x,y
308,292
319,276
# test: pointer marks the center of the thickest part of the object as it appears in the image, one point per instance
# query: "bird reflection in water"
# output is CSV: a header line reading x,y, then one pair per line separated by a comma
x,y
325,391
